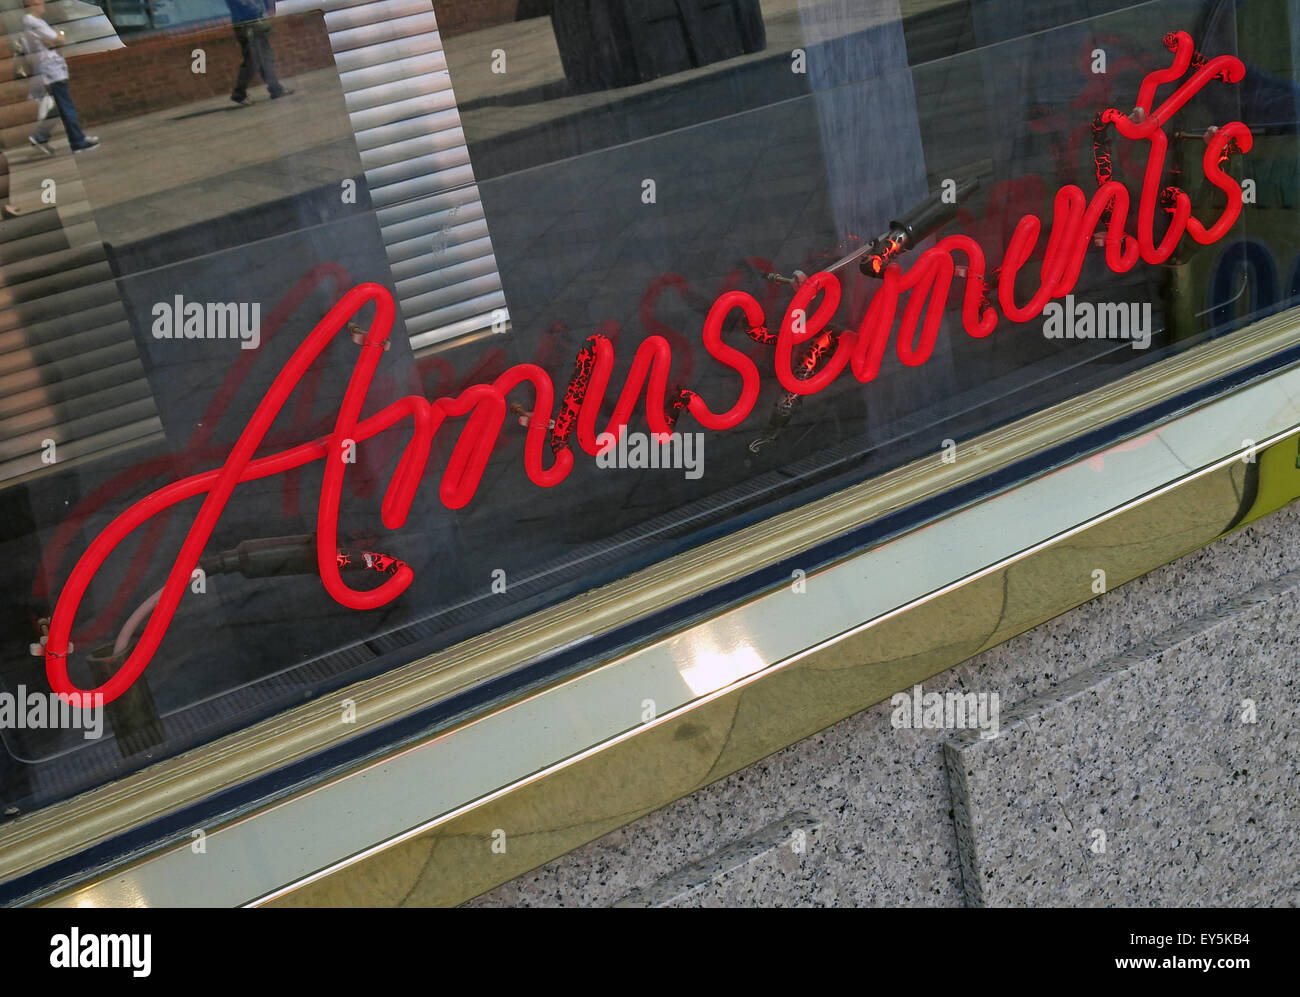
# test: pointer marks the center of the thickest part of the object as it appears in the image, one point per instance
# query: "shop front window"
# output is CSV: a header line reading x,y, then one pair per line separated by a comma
x,y
468,309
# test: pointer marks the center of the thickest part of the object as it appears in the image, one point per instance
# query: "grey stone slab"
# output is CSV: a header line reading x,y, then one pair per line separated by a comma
x,y
1166,776
766,868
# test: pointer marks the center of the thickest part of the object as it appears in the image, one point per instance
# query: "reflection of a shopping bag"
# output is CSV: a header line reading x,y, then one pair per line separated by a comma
x,y
38,91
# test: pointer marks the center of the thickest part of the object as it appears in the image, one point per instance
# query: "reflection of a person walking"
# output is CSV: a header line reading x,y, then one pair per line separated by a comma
x,y
252,21
50,68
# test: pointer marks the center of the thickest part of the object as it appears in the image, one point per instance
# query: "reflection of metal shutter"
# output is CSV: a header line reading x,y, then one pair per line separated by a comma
x,y
399,96
69,368
70,371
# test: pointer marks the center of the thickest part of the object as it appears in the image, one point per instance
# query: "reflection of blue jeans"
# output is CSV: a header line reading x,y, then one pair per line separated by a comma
x,y
255,45
67,111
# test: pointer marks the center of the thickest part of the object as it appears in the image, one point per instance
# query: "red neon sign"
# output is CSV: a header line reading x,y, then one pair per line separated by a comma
x,y
1075,218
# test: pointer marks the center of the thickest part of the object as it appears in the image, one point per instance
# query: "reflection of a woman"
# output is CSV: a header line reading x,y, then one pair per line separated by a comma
x,y
8,210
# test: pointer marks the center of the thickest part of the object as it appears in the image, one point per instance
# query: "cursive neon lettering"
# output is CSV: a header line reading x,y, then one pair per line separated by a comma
x,y
484,407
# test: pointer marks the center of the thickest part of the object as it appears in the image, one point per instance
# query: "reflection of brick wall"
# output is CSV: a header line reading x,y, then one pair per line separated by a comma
x,y
154,73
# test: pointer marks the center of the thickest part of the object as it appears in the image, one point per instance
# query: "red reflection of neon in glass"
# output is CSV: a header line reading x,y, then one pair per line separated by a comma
x,y
1075,219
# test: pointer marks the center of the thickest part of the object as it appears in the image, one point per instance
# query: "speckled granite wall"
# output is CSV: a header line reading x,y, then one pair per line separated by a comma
x,y
1167,776
1131,703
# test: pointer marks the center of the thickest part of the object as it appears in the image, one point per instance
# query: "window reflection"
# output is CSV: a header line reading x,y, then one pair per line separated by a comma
x,y
522,176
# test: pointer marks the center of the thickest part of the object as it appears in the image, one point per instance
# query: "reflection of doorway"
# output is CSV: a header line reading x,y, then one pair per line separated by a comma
x,y
128,14
613,43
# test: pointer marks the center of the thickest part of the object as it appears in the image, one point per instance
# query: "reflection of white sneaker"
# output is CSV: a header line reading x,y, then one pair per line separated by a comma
x,y
92,142
41,143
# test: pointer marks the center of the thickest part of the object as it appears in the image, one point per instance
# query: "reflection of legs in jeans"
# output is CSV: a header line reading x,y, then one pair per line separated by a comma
x,y
266,61
68,112
244,34
255,47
